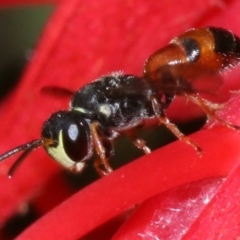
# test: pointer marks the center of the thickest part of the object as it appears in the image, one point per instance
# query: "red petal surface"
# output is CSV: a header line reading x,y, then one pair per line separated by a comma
x,y
170,215
83,40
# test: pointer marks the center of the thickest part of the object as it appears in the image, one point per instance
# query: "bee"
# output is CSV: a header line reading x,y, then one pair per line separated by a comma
x,y
118,103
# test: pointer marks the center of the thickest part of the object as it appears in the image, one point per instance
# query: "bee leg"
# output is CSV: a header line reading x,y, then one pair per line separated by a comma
x,y
210,109
98,165
103,148
138,142
160,114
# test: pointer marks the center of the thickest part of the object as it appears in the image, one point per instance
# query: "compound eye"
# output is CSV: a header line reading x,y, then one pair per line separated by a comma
x,y
66,137
75,140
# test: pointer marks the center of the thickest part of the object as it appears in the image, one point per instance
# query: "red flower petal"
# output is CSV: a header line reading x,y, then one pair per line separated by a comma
x,y
82,41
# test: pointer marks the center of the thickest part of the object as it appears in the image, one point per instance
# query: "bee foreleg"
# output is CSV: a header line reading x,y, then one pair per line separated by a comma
x,y
102,151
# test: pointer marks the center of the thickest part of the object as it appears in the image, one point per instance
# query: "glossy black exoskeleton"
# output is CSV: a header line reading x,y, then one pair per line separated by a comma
x,y
117,104
117,101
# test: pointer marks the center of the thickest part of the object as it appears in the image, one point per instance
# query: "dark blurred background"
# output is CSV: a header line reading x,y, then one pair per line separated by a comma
x,y
20,28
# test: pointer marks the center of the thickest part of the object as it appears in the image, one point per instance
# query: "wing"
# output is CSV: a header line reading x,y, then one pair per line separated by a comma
x,y
55,91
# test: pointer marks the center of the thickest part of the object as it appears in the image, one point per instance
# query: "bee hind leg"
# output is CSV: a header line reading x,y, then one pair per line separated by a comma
x,y
160,114
210,109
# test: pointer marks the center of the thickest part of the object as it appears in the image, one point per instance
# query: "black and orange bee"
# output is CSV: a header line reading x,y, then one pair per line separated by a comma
x,y
118,103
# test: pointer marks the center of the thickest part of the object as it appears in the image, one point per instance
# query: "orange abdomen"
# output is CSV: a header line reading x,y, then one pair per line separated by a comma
x,y
205,50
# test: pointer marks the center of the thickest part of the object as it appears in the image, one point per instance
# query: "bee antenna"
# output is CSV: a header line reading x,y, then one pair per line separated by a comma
x,y
27,148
